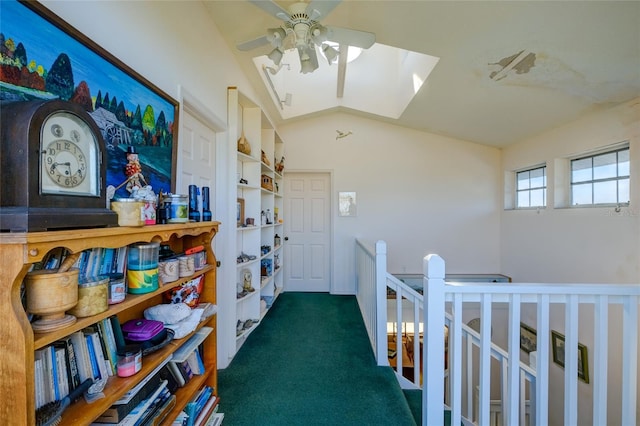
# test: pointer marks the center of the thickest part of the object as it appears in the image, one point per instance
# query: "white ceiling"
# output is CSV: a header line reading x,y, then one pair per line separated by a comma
x,y
587,57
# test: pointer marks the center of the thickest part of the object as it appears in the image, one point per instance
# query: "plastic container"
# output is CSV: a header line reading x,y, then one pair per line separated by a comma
x,y
93,296
178,209
117,289
130,211
168,270
142,268
129,361
143,256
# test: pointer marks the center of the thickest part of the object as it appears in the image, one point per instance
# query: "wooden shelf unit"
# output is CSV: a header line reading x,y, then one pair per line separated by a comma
x,y
18,251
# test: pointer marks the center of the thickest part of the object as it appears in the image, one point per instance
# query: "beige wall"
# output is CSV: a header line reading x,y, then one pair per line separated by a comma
x,y
589,245
575,244
419,192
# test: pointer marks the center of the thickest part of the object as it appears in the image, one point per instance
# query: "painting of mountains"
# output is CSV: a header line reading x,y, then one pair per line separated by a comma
x,y
43,57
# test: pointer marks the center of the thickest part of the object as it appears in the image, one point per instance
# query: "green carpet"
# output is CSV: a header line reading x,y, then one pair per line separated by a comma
x,y
310,363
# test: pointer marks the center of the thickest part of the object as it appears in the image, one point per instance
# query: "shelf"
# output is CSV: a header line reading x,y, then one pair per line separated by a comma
x,y
247,228
243,264
247,296
41,340
246,158
21,250
117,386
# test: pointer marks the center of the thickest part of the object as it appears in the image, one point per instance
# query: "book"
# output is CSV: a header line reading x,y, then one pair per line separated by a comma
x,y
71,363
112,350
206,411
93,359
117,412
42,391
161,412
61,370
166,374
176,374
195,363
82,356
184,369
136,414
192,344
117,332
155,405
107,261
53,368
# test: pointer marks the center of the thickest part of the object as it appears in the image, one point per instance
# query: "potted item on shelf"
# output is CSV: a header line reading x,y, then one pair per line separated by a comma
x,y
243,145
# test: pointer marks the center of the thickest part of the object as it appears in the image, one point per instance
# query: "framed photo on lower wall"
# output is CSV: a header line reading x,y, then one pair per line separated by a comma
x,y
557,343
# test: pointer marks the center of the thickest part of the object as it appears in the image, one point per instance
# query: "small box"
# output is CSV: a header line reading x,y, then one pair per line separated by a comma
x,y
267,182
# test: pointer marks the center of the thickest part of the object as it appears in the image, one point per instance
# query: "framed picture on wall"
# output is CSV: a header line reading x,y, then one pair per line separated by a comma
x,y
347,203
44,57
557,344
528,338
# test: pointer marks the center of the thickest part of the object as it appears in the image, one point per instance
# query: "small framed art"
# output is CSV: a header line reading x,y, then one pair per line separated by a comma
x,y
557,343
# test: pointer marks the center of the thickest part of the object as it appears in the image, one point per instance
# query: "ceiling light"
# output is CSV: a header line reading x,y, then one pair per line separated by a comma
x,y
276,36
308,59
330,53
276,56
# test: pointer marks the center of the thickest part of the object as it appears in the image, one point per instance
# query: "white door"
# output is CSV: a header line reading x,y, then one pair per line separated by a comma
x,y
198,147
307,226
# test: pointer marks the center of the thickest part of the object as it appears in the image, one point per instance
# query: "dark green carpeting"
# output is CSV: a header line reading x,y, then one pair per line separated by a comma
x,y
310,363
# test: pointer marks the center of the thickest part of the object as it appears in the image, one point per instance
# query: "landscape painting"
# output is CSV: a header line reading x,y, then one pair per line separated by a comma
x,y
43,57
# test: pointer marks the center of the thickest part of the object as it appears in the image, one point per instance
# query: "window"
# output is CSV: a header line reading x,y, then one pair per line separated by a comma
x,y
531,188
601,178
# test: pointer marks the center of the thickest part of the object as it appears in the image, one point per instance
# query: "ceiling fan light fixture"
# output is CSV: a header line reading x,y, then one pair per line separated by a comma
x,y
330,53
319,34
276,36
276,56
308,59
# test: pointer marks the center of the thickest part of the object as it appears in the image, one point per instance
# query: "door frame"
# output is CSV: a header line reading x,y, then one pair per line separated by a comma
x,y
332,204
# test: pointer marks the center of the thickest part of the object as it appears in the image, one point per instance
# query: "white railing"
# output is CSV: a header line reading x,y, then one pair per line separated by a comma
x,y
524,392
441,296
371,268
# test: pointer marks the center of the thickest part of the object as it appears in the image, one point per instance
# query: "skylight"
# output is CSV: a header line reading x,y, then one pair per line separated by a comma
x,y
382,81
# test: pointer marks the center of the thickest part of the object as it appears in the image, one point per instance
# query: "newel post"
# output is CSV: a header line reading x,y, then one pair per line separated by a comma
x,y
433,350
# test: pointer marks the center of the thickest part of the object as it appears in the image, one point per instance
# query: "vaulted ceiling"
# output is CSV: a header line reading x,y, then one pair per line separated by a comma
x,y
507,70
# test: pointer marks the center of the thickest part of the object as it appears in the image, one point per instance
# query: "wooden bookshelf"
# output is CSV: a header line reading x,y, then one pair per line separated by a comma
x,y
18,251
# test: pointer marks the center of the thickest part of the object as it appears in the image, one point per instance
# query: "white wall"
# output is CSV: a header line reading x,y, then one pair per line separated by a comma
x,y
173,44
575,244
589,245
420,192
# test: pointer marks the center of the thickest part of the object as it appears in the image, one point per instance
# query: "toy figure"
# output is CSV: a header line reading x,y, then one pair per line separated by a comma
x,y
133,171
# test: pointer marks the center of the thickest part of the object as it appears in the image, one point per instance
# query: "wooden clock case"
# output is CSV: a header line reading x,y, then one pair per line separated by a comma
x,y
23,207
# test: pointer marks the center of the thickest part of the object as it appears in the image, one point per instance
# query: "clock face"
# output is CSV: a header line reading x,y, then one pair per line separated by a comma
x,y
69,162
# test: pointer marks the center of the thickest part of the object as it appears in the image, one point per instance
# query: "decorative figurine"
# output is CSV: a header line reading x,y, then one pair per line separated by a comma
x,y
133,170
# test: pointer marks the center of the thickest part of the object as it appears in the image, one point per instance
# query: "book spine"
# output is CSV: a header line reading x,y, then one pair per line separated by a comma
x,y
112,351
51,356
95,370
117,332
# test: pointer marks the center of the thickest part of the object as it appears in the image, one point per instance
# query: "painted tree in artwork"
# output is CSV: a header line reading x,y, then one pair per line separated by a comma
x,y
136,120
149,124
161,130
59,80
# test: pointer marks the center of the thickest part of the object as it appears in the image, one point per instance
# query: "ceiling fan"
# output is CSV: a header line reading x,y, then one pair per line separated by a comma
x,y
302,30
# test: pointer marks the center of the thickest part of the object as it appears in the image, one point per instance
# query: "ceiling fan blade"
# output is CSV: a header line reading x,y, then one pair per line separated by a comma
x,y
272,8
351,37
252,44
320,8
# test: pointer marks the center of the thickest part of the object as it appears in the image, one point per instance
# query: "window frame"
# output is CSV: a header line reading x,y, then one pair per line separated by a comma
x,y
544,188
593,181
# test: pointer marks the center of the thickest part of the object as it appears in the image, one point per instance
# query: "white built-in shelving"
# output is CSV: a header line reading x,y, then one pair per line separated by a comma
x,y
256,246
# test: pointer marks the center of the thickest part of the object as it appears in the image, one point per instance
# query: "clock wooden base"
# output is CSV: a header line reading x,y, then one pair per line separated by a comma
x,y
23,219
